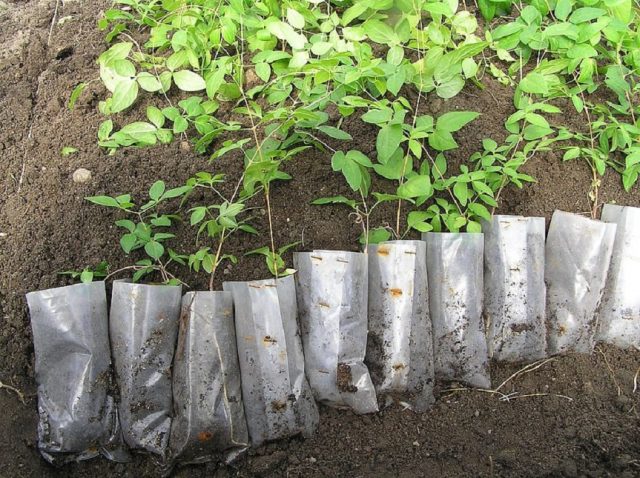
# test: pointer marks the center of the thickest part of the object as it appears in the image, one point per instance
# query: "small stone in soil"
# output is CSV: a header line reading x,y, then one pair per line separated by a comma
x,y
185,146
81,176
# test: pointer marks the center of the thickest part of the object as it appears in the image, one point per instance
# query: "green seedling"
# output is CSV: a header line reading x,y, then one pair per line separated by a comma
x,y
146,230
274,260
89,274
217,221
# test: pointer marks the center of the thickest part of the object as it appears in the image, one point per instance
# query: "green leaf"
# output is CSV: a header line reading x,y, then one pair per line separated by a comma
x,y
353,175
353,12
162,221
451,87
148,82
155,116
335,200
416,186
534,83
119,51
377,116
442,140
375,236
295,19
197,215
461,192
86,276
533,132
417,220
156,190
474,227
480,211
103,201
75,94
176,192
284,31
187,80
104,130
389,138
586,14
335,132
154,249
139,132
455,120
358,157
380,32
67,150
563,9
127,224
124,95
395,55
263,70
571,153
128,242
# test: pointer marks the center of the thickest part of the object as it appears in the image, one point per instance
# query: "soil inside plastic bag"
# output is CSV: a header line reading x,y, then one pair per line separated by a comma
x,y
72,366
514,288
400,341
277,398
455,302
143,326
208,421
332,289
577,257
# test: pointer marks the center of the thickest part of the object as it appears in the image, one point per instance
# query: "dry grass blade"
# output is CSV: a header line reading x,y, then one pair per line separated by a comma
x,y
611,371
14,390
506,397
514,396
526,369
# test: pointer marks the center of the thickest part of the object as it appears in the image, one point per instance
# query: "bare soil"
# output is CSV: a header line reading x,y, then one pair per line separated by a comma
x,y
576,415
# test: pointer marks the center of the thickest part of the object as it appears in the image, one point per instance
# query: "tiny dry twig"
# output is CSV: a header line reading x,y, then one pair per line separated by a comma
x,y
53,21
611,371
527,395
14,390
506,397
526,369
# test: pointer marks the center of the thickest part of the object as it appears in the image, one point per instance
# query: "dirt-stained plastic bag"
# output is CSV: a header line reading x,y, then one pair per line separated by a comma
x,y
144,326
208,421
619,313
332,296
72,368
278,402
400,348
514,290
578,253
455,271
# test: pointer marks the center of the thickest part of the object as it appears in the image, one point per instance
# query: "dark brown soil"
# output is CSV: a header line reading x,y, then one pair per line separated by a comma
x,y
582,417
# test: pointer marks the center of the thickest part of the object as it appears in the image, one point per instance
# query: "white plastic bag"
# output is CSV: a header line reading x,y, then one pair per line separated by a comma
x,y
577,256
332,296
143,327
455,269
277,398
514,290
400,347
619,313
208,420
72,363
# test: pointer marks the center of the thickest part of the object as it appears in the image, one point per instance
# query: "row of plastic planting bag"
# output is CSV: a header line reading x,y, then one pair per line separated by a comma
x,y
198,377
